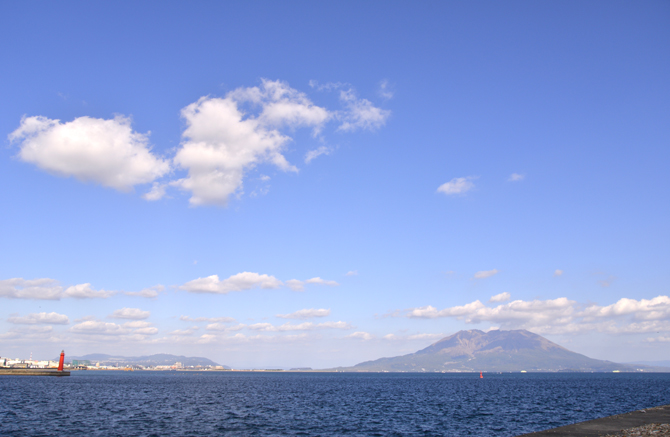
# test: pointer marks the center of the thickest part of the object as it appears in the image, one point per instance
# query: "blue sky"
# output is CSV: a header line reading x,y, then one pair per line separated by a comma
x,y
293,184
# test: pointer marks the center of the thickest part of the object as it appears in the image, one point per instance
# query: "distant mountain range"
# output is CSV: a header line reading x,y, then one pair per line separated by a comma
x,y
495,351
665,363
147,360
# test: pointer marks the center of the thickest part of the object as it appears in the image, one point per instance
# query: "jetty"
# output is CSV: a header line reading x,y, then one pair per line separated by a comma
x,y
35,372
626,424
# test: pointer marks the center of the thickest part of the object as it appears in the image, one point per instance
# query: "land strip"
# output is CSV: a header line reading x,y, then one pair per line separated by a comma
x,y
34,372
647,422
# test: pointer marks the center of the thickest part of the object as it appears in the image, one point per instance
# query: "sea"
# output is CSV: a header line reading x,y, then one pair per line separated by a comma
x,y
145,403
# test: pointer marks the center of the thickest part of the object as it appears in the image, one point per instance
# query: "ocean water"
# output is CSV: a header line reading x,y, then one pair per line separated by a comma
x,y
96,403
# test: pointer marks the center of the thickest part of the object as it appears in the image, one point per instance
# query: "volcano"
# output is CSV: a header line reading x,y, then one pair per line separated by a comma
x,y
493,351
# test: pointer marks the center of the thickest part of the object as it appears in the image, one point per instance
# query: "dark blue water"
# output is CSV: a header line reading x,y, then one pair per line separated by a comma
x,y
98,403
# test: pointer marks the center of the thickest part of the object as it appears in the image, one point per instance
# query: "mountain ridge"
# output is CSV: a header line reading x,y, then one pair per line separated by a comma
x,y
147,360
494,351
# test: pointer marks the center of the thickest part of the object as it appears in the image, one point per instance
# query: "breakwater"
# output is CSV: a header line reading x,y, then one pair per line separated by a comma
x,y
34,372
609,425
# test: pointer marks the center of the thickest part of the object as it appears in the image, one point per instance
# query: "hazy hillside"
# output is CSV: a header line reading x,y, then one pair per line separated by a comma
x,y
148,360
493,351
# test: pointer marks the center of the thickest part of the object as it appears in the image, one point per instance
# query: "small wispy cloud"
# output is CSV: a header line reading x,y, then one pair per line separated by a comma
x,y
607,282
130,313
361,335
558,272
207,319
313,154
305,314
516,177
40,319
298,285
502,297
457,186
386,91
151,292
352,273
482,274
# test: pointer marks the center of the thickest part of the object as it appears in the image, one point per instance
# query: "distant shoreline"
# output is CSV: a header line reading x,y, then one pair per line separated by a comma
x,y
34,372
120,369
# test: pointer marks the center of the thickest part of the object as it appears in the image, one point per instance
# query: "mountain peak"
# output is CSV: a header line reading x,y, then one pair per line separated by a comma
x,y
472,341
495,350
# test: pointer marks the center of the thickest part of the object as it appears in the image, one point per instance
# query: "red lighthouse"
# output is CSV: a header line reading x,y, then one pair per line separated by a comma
x,y
62,359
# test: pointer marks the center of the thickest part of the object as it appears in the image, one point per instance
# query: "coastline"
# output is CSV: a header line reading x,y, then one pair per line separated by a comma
x,y
34,372
611,425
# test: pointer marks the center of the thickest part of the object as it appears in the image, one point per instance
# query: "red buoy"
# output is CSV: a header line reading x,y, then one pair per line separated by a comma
x,y
62,359
481,374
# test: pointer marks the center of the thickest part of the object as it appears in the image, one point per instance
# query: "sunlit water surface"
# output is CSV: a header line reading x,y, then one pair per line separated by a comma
x,y
95,403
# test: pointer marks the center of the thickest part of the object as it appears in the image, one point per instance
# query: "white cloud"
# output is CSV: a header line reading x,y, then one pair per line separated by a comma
x,y
207,319
157,192
357,113
40,318
85,291
305,314
556,316
150,292
305,326
282,105
130,313
47,289
457,186
100,328
330,86
607,282
320,281
502,297
335,325
657,308
41,289
395,337
297,285
137,324
360,113
386,90
189,331
107,152
424,336
262,327
483,274
361,335
222,327
28,333
515,177
241,338
224,138
558,272
238,282
222,142
352,273
133,331
312,154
